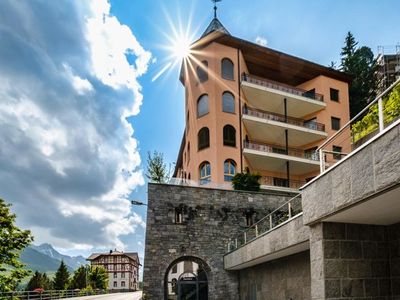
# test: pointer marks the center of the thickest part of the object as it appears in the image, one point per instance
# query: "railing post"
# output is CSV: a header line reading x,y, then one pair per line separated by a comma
x,y
236,243
290,210
380,115
321,161
245,237
270,221
256,227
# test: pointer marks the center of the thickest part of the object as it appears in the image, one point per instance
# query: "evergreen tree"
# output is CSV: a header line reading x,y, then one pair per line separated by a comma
x,y
61,278
361,65
39,280
98,277
79,279
12,241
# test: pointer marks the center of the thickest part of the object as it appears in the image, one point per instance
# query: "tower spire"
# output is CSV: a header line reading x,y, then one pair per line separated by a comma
x,y
215,7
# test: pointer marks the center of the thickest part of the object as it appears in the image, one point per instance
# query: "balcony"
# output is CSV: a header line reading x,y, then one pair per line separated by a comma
x,y
281,184
269,96
262,125
262,156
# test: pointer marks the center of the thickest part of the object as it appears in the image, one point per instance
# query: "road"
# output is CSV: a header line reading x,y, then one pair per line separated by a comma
x,y
116,296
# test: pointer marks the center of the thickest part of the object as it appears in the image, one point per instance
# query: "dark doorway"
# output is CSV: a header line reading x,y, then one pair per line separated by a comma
x,y
186,279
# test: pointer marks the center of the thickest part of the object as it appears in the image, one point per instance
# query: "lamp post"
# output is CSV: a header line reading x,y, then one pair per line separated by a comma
x,y
139,203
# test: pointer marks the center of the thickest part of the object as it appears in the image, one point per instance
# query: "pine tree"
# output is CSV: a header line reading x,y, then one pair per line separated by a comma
x,y
79,279
361,65
61,278
39,280
12,241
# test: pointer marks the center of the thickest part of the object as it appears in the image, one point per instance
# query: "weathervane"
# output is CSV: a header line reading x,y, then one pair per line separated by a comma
x,y
215,7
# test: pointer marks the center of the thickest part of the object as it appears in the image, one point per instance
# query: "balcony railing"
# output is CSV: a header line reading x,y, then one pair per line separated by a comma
x,y
284,119
376,118
282,87
282,214
282,182
312,155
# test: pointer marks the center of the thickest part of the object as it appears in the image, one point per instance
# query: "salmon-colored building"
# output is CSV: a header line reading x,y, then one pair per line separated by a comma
x,y
251,108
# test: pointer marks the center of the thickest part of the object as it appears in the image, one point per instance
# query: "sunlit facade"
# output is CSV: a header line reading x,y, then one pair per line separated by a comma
x,y
251,108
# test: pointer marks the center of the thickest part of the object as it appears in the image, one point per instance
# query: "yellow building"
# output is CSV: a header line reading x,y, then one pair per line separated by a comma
x,y
252,108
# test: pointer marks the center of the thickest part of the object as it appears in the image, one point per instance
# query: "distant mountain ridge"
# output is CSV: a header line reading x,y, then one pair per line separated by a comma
x,y
74,262
44,258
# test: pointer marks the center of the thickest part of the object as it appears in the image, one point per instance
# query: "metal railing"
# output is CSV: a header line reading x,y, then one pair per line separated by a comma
x,y
284,119
50,294
374,119
264,147
282,87
282,182
279,216
194,183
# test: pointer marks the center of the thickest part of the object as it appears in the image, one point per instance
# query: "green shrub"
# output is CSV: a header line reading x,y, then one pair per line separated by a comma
x,y
370,122
246,182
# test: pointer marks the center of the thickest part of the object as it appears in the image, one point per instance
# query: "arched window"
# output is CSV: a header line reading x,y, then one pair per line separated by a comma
x,y
203,138
229,136
228,102
205,172
229,169
202,71
227,68
202,106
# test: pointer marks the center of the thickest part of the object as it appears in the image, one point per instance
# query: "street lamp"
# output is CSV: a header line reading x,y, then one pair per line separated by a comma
x,y
136,202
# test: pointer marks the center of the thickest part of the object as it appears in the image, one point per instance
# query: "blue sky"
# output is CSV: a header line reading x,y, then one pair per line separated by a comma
x,y
70,162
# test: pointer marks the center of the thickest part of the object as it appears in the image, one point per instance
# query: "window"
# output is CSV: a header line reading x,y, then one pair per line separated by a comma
x,y
227,68
178,216
188,154
309,94
115,284
282,182
228,102
122,283
334,94
202,73
122,275
115,274
229,169
229,134
205,172
337,155
202,106
335,123
203,138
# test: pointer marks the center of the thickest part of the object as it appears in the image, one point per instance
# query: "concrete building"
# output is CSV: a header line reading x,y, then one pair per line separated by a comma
x,y
122,268
388,62
249,107
338,239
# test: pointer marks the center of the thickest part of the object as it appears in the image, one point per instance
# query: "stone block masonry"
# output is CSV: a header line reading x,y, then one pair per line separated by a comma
x,y
210,217
355,261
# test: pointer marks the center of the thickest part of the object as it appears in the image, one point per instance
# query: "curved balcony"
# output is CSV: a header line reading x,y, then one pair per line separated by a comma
x,y
269,95
273,158
263,125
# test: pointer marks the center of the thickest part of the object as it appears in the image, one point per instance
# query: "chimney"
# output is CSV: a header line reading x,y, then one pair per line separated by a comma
x,y
110,251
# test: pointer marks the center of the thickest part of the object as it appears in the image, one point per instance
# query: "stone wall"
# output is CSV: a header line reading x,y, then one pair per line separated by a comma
x,y
285,278
373,169
210,218
394,244
350,261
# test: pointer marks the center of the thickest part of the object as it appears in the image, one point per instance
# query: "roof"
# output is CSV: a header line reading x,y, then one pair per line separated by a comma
x,y
132,255
215,25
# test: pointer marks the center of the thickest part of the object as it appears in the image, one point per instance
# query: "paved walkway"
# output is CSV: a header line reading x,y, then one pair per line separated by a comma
x,y
116,296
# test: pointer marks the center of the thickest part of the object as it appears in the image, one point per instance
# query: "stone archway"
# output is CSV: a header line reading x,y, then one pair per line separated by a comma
x,y
187,278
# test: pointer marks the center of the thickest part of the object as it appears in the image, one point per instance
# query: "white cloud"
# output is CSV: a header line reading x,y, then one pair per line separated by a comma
x,y
262,41
68,159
